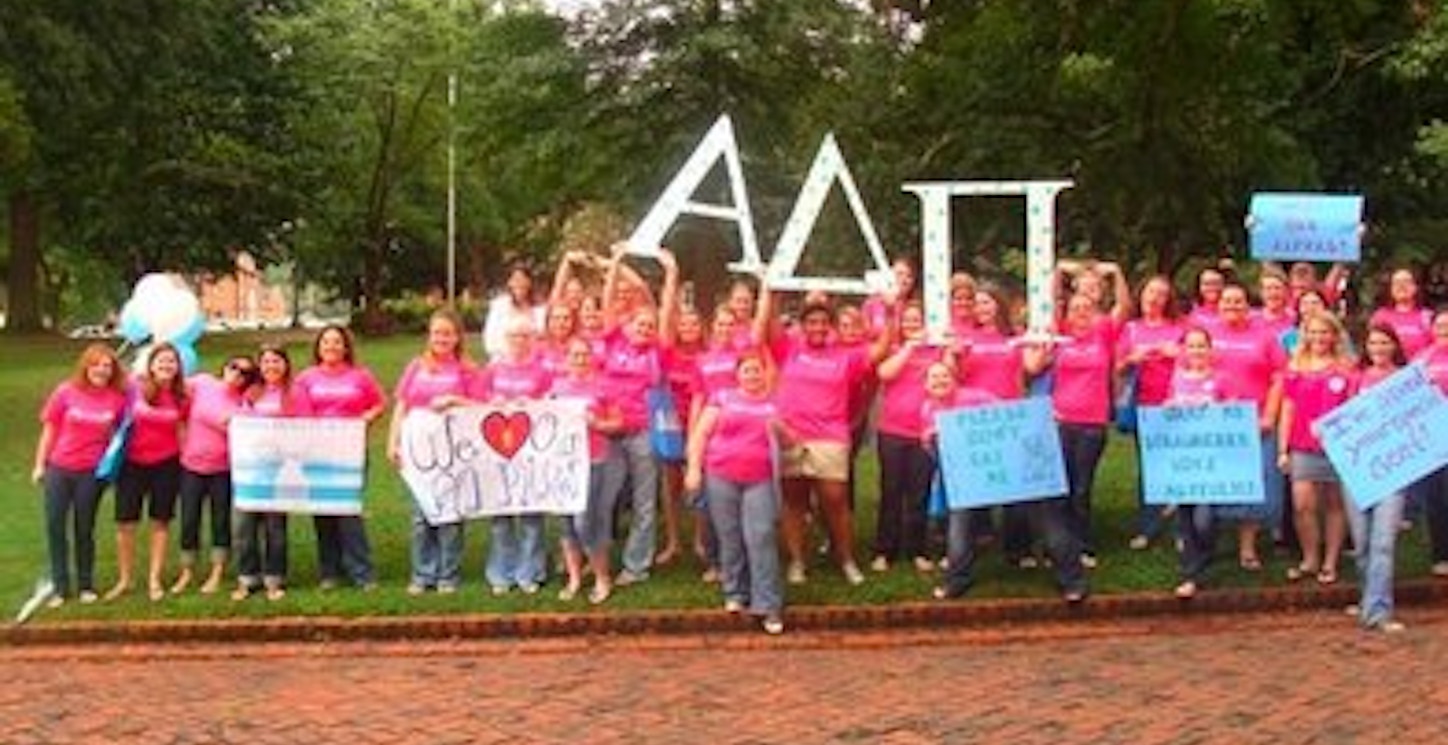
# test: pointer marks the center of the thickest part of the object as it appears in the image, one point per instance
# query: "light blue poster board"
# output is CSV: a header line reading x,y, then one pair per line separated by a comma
x,y
1388,436
302,465
1305,227
1000,454
1200,454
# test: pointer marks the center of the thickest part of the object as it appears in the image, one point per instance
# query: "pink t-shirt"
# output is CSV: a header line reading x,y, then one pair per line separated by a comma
x,y
554,359
507,380
629,371
877,314
962,397
1435,358
83,419
1205,317
1414,327
901,396
591,391
213,402
420,384
345,392
739,447
1081,392
279,402
1313,393
155,428
1153,376
994,364
1190,389
1279,323
816,387
718,369
1371,376
1247,360
681,369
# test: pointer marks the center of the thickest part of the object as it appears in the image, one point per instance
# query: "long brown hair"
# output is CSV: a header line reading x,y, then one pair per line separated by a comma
x,y
151,389
91,355
452,317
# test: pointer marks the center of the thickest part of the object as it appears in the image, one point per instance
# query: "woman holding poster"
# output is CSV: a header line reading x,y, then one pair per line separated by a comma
x,y
590,534
942,394
1435,486
77,422
516,555
1146,353
1248,360
206,466
1194,383
436,379
1375,529
261,537
152,467
1319,378
339,387
731,459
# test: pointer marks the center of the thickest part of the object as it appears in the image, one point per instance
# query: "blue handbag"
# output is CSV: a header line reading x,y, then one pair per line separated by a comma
x,y
110,464
666,428
1125,402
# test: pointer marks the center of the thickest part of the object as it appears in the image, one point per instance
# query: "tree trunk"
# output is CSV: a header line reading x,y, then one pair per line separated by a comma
x,y
23,313
374,319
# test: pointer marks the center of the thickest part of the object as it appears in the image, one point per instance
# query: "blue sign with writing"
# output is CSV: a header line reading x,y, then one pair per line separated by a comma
x,y
1000,454
1305,227
1200,454
1388,436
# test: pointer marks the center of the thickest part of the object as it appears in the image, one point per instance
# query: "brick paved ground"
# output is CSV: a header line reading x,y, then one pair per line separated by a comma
x,y
1284,678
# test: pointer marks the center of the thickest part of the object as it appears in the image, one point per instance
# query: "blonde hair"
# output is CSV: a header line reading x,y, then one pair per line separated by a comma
x,y
1303,353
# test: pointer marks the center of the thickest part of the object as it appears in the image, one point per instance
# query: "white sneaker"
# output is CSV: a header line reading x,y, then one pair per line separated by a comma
x,y
879,564
626,578
88,596
923,564
773,625
733,606
853,575
1440,569
1088,561
795,575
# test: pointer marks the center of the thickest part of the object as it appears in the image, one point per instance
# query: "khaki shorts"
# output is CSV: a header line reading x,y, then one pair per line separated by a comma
x,y
817,459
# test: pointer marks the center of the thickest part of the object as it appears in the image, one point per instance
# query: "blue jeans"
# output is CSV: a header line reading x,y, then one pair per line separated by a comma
x,y
261,549
1375,536
437,553
1194,525
1434,491
592,529
1053,520
1081,445
71,493
515,553
1274,482
636,457
746,520
342,549
960,550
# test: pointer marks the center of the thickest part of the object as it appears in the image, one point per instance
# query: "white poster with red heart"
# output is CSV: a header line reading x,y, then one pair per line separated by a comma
x,y
481,461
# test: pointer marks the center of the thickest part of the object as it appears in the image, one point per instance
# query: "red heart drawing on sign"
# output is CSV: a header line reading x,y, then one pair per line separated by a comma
x,y
506,433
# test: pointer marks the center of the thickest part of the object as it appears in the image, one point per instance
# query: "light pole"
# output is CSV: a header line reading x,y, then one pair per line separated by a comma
x,y
452,186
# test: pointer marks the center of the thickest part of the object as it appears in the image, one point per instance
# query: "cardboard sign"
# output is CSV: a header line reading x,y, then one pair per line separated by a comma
x,y
305,465
1000,454
1388,436
1200,454
1305,227
480,461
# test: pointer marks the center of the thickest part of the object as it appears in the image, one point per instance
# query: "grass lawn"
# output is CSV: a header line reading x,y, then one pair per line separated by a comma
x,y
32,366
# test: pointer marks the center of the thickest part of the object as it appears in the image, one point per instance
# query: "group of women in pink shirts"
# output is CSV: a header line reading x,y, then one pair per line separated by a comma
x,y
774,415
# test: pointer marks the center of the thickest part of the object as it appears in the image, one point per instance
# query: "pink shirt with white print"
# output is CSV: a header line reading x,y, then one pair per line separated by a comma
x,y
995,363
1190,388
816,386
508,380
592,392
1153,373
278,401
422,382
83,418
213,403
1081,390
1313,393
902,396
1247,361
348,391
155,428
629,371
1414,327
739,447
1435,358
962,397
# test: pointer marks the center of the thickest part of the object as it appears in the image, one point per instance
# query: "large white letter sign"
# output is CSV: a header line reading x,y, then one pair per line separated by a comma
x,y
677,199
829,166
1040,244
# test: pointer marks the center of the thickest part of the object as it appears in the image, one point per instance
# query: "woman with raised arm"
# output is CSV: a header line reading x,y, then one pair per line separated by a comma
x,y
817,376
438,378
152,467
77,422
206,467
730,459
261,537
632,364
339,387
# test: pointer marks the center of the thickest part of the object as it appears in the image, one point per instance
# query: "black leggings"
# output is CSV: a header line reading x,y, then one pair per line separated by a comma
x,y
211,491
